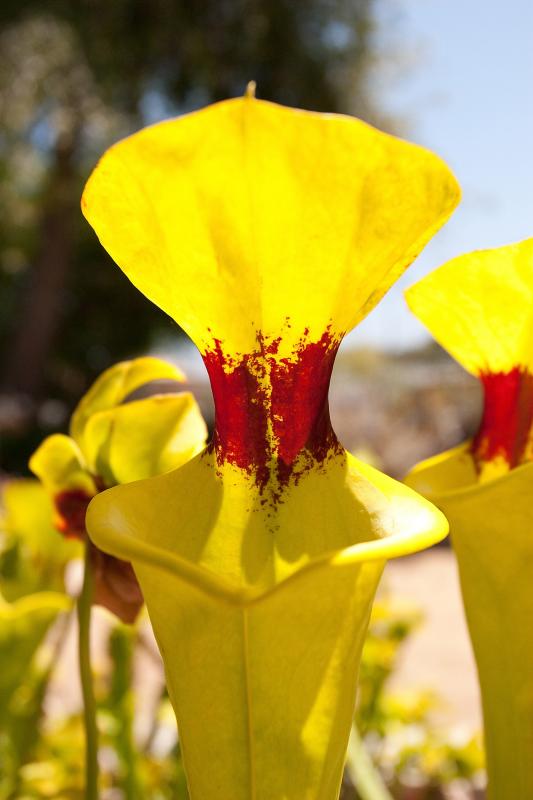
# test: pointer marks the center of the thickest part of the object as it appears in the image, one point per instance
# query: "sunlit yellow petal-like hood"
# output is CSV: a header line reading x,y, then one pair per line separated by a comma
x,y
266,233
479,307
248,217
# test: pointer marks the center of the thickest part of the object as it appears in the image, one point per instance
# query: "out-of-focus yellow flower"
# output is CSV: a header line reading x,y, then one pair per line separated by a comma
x,y
480,308
266,233
114,440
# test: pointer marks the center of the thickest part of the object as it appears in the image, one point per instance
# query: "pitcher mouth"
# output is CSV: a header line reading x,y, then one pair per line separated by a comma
x,y
460,462
415,523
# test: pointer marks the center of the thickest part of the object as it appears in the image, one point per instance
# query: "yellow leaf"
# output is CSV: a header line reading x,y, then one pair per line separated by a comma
x,y
28,515
23,625
480,308
27,525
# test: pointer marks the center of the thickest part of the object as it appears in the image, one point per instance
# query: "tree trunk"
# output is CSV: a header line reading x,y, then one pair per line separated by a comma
x,y
39,316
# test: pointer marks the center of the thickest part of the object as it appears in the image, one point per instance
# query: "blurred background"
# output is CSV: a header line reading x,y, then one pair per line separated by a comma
x,y
75,77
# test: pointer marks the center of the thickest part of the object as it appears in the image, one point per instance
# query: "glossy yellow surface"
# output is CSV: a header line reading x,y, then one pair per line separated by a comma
x,y
214,530
261,230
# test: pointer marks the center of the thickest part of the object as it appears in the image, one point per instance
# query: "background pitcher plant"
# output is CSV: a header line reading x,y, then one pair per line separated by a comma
x,y
267,233
115,438
480,308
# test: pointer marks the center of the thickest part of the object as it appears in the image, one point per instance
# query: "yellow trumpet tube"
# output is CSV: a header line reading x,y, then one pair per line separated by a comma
x,y
491,527
263,676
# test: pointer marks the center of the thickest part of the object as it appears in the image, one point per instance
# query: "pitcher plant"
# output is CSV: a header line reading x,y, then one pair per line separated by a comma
x,y
479,307
267,234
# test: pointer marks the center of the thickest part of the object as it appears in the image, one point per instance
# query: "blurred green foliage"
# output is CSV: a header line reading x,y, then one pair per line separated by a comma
x,y
33,556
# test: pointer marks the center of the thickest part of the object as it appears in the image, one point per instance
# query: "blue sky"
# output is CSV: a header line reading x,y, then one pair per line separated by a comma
x,y
469,97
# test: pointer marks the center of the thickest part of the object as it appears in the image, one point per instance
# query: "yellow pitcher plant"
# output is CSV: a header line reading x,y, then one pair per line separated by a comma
x,y
267,233
113,440
480,308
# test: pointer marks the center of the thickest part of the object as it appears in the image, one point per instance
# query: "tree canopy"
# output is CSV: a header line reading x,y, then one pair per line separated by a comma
x,y
75,77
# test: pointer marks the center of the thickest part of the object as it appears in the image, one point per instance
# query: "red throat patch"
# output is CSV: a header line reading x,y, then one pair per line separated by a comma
x,y
268,410
507,416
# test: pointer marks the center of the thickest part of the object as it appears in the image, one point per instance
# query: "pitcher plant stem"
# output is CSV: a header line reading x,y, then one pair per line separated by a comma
x,y
86,679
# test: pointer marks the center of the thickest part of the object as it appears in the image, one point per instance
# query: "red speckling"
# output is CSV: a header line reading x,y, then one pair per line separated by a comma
x,y
507,416
71,506
269,410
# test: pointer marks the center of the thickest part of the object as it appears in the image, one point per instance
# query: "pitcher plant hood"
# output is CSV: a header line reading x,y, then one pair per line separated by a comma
x,y
267,233
480,308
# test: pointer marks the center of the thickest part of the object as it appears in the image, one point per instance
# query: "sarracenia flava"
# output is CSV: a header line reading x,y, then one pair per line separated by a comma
x,y
267,233
115,438
480,308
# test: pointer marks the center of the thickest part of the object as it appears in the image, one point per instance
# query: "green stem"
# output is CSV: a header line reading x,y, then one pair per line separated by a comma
x,y
121,647
364,774
86,678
